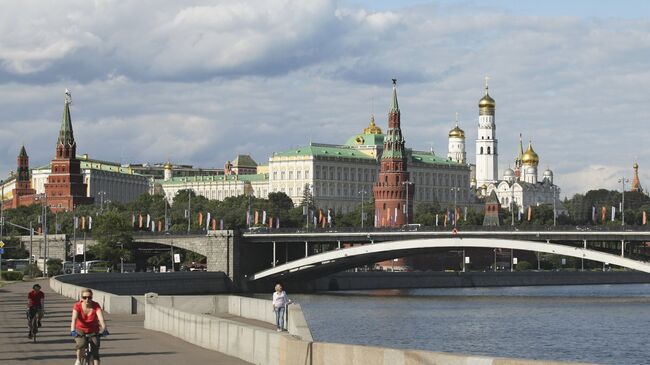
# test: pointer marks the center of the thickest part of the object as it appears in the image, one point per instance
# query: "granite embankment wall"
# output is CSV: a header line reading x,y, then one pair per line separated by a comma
x,y
184,318
408,280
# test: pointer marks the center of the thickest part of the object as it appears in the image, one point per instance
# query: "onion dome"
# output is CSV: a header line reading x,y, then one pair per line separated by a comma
x,y
372,127
548,173
167,166
531,170
508,173
530,157
486,105
457,132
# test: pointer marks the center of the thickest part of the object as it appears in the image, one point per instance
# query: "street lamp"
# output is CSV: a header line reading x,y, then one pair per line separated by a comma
x,y
363,192
623,181
101,195
455,190
44,206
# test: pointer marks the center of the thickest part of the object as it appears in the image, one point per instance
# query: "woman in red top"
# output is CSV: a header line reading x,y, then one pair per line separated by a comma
x,y
87,318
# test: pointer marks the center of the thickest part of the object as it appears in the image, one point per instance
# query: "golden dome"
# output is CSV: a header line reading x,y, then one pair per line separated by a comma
x,y
457,132
486,105
530,157
168,166
372,127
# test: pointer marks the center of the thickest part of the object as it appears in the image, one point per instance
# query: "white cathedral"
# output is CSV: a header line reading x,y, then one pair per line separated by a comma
x,y
520,186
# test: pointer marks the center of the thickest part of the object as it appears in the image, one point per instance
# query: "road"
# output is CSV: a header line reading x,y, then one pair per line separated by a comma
x,y
128,343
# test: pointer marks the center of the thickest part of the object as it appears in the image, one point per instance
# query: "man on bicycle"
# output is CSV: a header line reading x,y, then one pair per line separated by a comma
x,y
35,305
87,319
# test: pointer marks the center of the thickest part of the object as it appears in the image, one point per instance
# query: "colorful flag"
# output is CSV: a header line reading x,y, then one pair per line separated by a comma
x,y
530,213
603,213
83,223
645,218
140,220
207,222
329,216
613,213
436,220
465,214
221,224
200,219
153,226
263,217
90,222
76,222
159,226
519,215
270,222
214,224
248,218
132,219
277,223
444,224
148,220
257,217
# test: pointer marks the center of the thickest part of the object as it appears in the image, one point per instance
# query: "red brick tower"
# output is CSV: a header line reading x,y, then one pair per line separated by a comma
x,y
23,192
65,187
393,190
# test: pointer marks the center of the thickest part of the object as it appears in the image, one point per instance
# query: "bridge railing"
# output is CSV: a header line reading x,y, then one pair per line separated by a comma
x,y
413,228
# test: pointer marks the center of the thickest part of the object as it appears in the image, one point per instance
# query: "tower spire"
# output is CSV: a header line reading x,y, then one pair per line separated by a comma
x,y
66,135
394,107
636,183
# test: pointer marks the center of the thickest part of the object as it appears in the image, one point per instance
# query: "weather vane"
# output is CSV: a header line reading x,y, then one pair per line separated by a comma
x,y
68,96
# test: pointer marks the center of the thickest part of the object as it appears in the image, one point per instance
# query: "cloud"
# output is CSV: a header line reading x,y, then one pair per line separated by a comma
x,y
200,81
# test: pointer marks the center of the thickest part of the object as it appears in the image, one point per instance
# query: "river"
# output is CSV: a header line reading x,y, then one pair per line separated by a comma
x,y
606,324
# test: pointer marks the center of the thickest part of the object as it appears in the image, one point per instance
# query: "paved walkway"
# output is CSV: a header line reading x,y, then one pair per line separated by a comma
x,y
128,343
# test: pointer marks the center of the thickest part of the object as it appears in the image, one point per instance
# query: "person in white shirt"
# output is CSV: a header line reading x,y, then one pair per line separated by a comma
x,y
280,302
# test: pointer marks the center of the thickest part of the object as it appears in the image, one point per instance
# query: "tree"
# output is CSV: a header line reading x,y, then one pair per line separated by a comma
x,y
112,231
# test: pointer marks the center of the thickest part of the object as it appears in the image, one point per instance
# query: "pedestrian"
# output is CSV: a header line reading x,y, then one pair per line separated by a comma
x,y
280,302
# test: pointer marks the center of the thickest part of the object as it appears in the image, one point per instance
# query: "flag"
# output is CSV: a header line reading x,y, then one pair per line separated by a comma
x,y
395,219
603,213
270,222
436,220
277,223
153,226
248,217
519,215
530,213
320,215
148,220
323,222
329,216
613,213
83,223
159,226
132,219
465,215
90,222
207,222
221,224
257,217
263,217
593,214
140,220
645,218
76,222
315,221
200,219
444,224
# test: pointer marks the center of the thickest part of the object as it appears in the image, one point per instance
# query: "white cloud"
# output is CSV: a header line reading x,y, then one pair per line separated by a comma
x,y
201,81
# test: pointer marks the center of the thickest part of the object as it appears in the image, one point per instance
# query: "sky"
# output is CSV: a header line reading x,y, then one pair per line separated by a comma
x,y
198,82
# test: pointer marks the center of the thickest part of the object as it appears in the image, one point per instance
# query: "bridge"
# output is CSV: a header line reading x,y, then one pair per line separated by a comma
x,y
259,256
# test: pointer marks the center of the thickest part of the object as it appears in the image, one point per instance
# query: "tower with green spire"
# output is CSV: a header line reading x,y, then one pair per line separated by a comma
x,y
65,187
22,192
393,191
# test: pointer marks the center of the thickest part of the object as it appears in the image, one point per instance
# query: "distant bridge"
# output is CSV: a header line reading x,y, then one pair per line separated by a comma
x,y
345,258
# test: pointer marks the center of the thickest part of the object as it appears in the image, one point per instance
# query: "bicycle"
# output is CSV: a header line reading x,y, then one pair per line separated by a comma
x,y
87,355
32,317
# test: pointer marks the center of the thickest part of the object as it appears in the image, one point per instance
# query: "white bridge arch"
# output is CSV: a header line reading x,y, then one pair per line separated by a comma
x,y
341,259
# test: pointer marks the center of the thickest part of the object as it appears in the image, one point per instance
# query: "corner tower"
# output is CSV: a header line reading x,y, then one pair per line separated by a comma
x,y
23,189
487,158
65,187
393,191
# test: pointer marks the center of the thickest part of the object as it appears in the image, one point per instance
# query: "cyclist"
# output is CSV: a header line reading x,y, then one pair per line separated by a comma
x,y
35,305
87,318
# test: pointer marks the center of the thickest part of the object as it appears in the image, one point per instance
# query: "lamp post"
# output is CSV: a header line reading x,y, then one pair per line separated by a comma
x,y
101,194
512,204
2,217
43,199
623,181
363,192
455,190
189,207
554,187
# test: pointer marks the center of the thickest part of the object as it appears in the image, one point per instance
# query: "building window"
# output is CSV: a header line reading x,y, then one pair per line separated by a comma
x,y
290,175
298,175
306,174
488,150
282,175
275,175
481,150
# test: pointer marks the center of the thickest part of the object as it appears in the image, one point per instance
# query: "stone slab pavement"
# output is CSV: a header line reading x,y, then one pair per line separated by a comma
x,y
128,343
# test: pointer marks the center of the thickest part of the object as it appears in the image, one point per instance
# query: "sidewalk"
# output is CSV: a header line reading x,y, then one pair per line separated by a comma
x,y
128,343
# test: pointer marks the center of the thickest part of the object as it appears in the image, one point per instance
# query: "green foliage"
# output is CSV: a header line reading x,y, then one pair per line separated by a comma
x,y
54,267
523,266
32,270
14,249
112,230
12,275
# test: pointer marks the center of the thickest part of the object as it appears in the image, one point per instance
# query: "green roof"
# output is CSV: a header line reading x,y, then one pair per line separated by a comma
x,y
86,163
214,178
66,136
366,140
428,158
324,151
244,161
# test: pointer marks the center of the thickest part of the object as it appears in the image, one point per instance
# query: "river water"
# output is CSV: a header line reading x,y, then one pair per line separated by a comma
x,y
606,324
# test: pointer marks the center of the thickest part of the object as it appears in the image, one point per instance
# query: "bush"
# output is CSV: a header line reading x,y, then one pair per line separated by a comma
x,y
54,267
523,266
12,275
32,271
